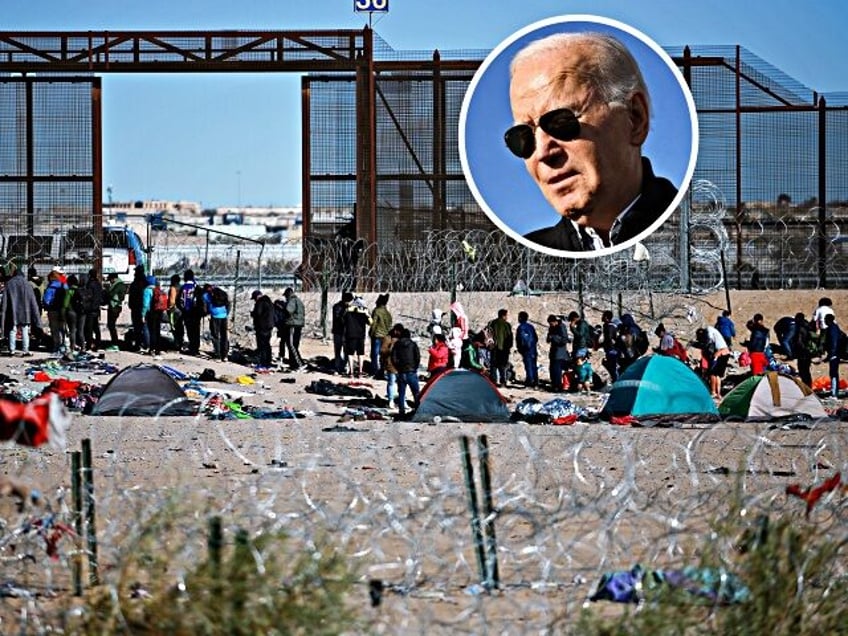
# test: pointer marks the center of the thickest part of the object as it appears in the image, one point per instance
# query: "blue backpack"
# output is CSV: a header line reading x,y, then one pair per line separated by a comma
x,y
186,300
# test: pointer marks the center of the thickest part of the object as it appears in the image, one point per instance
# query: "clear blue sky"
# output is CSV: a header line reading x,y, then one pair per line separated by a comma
x,y
221,139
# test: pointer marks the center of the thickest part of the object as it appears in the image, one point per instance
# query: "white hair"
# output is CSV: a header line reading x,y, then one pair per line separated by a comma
x,y
613,71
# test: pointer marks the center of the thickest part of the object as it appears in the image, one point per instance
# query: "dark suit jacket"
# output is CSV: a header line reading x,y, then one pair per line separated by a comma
x,y
657,195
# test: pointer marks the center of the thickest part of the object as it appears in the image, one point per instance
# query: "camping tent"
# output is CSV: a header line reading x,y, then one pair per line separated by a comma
x,y
142,389
658,386
770,396
463,395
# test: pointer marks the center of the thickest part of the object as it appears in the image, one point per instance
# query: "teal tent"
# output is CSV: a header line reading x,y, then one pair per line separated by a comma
x,y
659,386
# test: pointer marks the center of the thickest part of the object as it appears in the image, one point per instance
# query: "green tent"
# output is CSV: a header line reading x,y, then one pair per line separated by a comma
x,y
771,396
659,387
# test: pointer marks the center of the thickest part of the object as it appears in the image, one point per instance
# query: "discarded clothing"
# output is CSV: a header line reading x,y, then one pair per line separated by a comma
x,y
716,585
327,388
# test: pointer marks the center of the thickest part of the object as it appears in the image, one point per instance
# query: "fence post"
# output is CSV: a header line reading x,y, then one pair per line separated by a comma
x,y
76,497
90,526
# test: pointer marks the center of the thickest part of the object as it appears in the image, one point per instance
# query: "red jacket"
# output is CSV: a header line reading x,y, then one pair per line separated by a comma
x,y
439,356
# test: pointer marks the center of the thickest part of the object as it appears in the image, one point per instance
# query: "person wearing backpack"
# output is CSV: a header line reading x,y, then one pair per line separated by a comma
x,y
263,326
116,290
155,308
175,314
71,313
52,301
217,305
292,328
526,342
191,311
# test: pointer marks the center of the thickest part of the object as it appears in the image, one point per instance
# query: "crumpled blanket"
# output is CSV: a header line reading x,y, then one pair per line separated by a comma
x,y
716,585
326,387
555,411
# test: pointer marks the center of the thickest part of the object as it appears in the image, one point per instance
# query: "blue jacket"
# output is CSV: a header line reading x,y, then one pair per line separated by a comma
x,y
213,311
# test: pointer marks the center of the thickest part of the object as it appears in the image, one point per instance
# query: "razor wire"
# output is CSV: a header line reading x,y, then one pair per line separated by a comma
x,y
570,504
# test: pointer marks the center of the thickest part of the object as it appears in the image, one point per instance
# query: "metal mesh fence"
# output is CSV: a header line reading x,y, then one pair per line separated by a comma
x,y
769,151
47,172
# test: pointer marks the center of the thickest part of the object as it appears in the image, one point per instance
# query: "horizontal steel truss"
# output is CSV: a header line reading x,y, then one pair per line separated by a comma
x,y
181,51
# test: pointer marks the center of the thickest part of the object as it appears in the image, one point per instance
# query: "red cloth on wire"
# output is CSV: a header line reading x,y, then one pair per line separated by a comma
x,y
27,424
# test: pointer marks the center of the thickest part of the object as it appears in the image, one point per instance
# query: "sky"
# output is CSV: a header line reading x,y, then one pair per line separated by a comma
x,y
227,140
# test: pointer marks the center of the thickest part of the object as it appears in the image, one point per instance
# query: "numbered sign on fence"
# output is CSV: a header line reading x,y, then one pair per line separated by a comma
x,y
371,6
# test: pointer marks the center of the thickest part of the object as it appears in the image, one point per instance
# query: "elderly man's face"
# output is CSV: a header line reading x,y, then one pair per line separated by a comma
x,y
590,179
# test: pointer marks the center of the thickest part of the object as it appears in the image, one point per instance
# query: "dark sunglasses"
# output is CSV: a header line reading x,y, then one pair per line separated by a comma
x,y
560,124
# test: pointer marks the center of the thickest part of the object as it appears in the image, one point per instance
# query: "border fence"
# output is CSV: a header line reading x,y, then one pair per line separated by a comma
x,y
385,200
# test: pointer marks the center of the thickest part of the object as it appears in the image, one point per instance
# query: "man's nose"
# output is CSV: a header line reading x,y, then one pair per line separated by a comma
x,y
546,145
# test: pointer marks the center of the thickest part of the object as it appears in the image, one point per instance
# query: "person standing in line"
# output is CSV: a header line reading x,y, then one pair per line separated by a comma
x,y
725,326
609,339
406,358
152,311
356,321
832,340
72,318
135,301
388,366
581,334
217,304
20,310
337,329
802,348
192,309
381,323
175,314
263,326
502,336
53,302
92,308
527,341
557,338
439,356
293,323
116,290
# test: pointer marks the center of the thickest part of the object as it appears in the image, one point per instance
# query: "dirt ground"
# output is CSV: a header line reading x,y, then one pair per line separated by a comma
x,y
571,501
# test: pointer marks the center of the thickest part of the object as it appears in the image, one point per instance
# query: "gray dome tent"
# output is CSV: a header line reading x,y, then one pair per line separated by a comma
x,y
461,395
143,389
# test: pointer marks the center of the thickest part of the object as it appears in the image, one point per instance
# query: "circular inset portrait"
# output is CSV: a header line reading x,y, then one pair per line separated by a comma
x,y
578,136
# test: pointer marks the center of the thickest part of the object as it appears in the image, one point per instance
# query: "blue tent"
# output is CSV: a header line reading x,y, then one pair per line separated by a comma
x,y
659,386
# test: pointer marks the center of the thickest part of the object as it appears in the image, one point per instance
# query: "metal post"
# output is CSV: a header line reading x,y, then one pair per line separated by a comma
x,y
822,193
90,526
76,496
492,575
471,490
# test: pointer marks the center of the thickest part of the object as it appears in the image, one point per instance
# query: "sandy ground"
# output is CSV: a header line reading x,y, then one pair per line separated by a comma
x,y
571,501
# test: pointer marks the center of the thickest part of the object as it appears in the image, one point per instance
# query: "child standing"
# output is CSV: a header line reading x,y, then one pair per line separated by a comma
x,y
583,371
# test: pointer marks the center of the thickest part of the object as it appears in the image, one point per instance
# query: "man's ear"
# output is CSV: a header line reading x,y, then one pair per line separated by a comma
x,y
638,118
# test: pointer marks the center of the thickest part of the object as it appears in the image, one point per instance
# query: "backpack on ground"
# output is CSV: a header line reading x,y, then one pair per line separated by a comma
x,y
160,299
219,298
